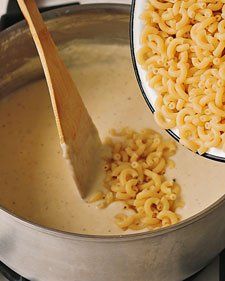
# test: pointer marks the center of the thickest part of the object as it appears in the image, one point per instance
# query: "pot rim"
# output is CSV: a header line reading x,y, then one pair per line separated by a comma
x,y
63,11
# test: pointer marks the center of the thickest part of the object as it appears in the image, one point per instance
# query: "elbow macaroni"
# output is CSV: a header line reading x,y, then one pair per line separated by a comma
x,y
140,184
183,53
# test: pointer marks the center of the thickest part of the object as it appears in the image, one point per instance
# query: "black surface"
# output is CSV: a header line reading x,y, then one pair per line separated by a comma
x,y
222,266
10,274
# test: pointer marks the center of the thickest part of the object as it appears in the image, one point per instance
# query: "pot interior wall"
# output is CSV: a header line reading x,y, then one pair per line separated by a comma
x,y
18,55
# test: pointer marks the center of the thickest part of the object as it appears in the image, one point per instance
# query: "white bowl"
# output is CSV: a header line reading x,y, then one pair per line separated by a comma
x,y
150,94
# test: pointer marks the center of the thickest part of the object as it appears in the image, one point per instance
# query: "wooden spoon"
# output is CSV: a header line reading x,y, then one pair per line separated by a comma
x,y
78,135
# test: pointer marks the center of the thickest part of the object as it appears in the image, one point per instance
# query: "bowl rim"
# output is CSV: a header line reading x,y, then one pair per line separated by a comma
x,y
138,77
63,11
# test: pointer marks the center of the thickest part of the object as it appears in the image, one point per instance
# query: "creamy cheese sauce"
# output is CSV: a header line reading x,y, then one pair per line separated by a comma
x,y
35,182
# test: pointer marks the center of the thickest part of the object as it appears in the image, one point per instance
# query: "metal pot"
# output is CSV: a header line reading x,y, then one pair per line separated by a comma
x,y
39,253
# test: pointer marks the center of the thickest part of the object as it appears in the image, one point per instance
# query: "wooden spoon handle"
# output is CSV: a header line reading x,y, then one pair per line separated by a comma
x,y
58,77
78,135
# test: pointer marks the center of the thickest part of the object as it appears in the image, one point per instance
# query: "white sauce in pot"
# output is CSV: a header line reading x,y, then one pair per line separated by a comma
x,y
35,182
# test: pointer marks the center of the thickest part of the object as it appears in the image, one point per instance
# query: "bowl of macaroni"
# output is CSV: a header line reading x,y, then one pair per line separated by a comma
x,y
179,59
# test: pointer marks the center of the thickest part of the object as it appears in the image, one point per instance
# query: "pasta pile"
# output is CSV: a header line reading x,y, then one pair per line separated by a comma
x,y
183,53
135,176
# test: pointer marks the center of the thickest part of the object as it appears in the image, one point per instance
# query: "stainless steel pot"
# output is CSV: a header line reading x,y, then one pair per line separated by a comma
x,y
170,254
